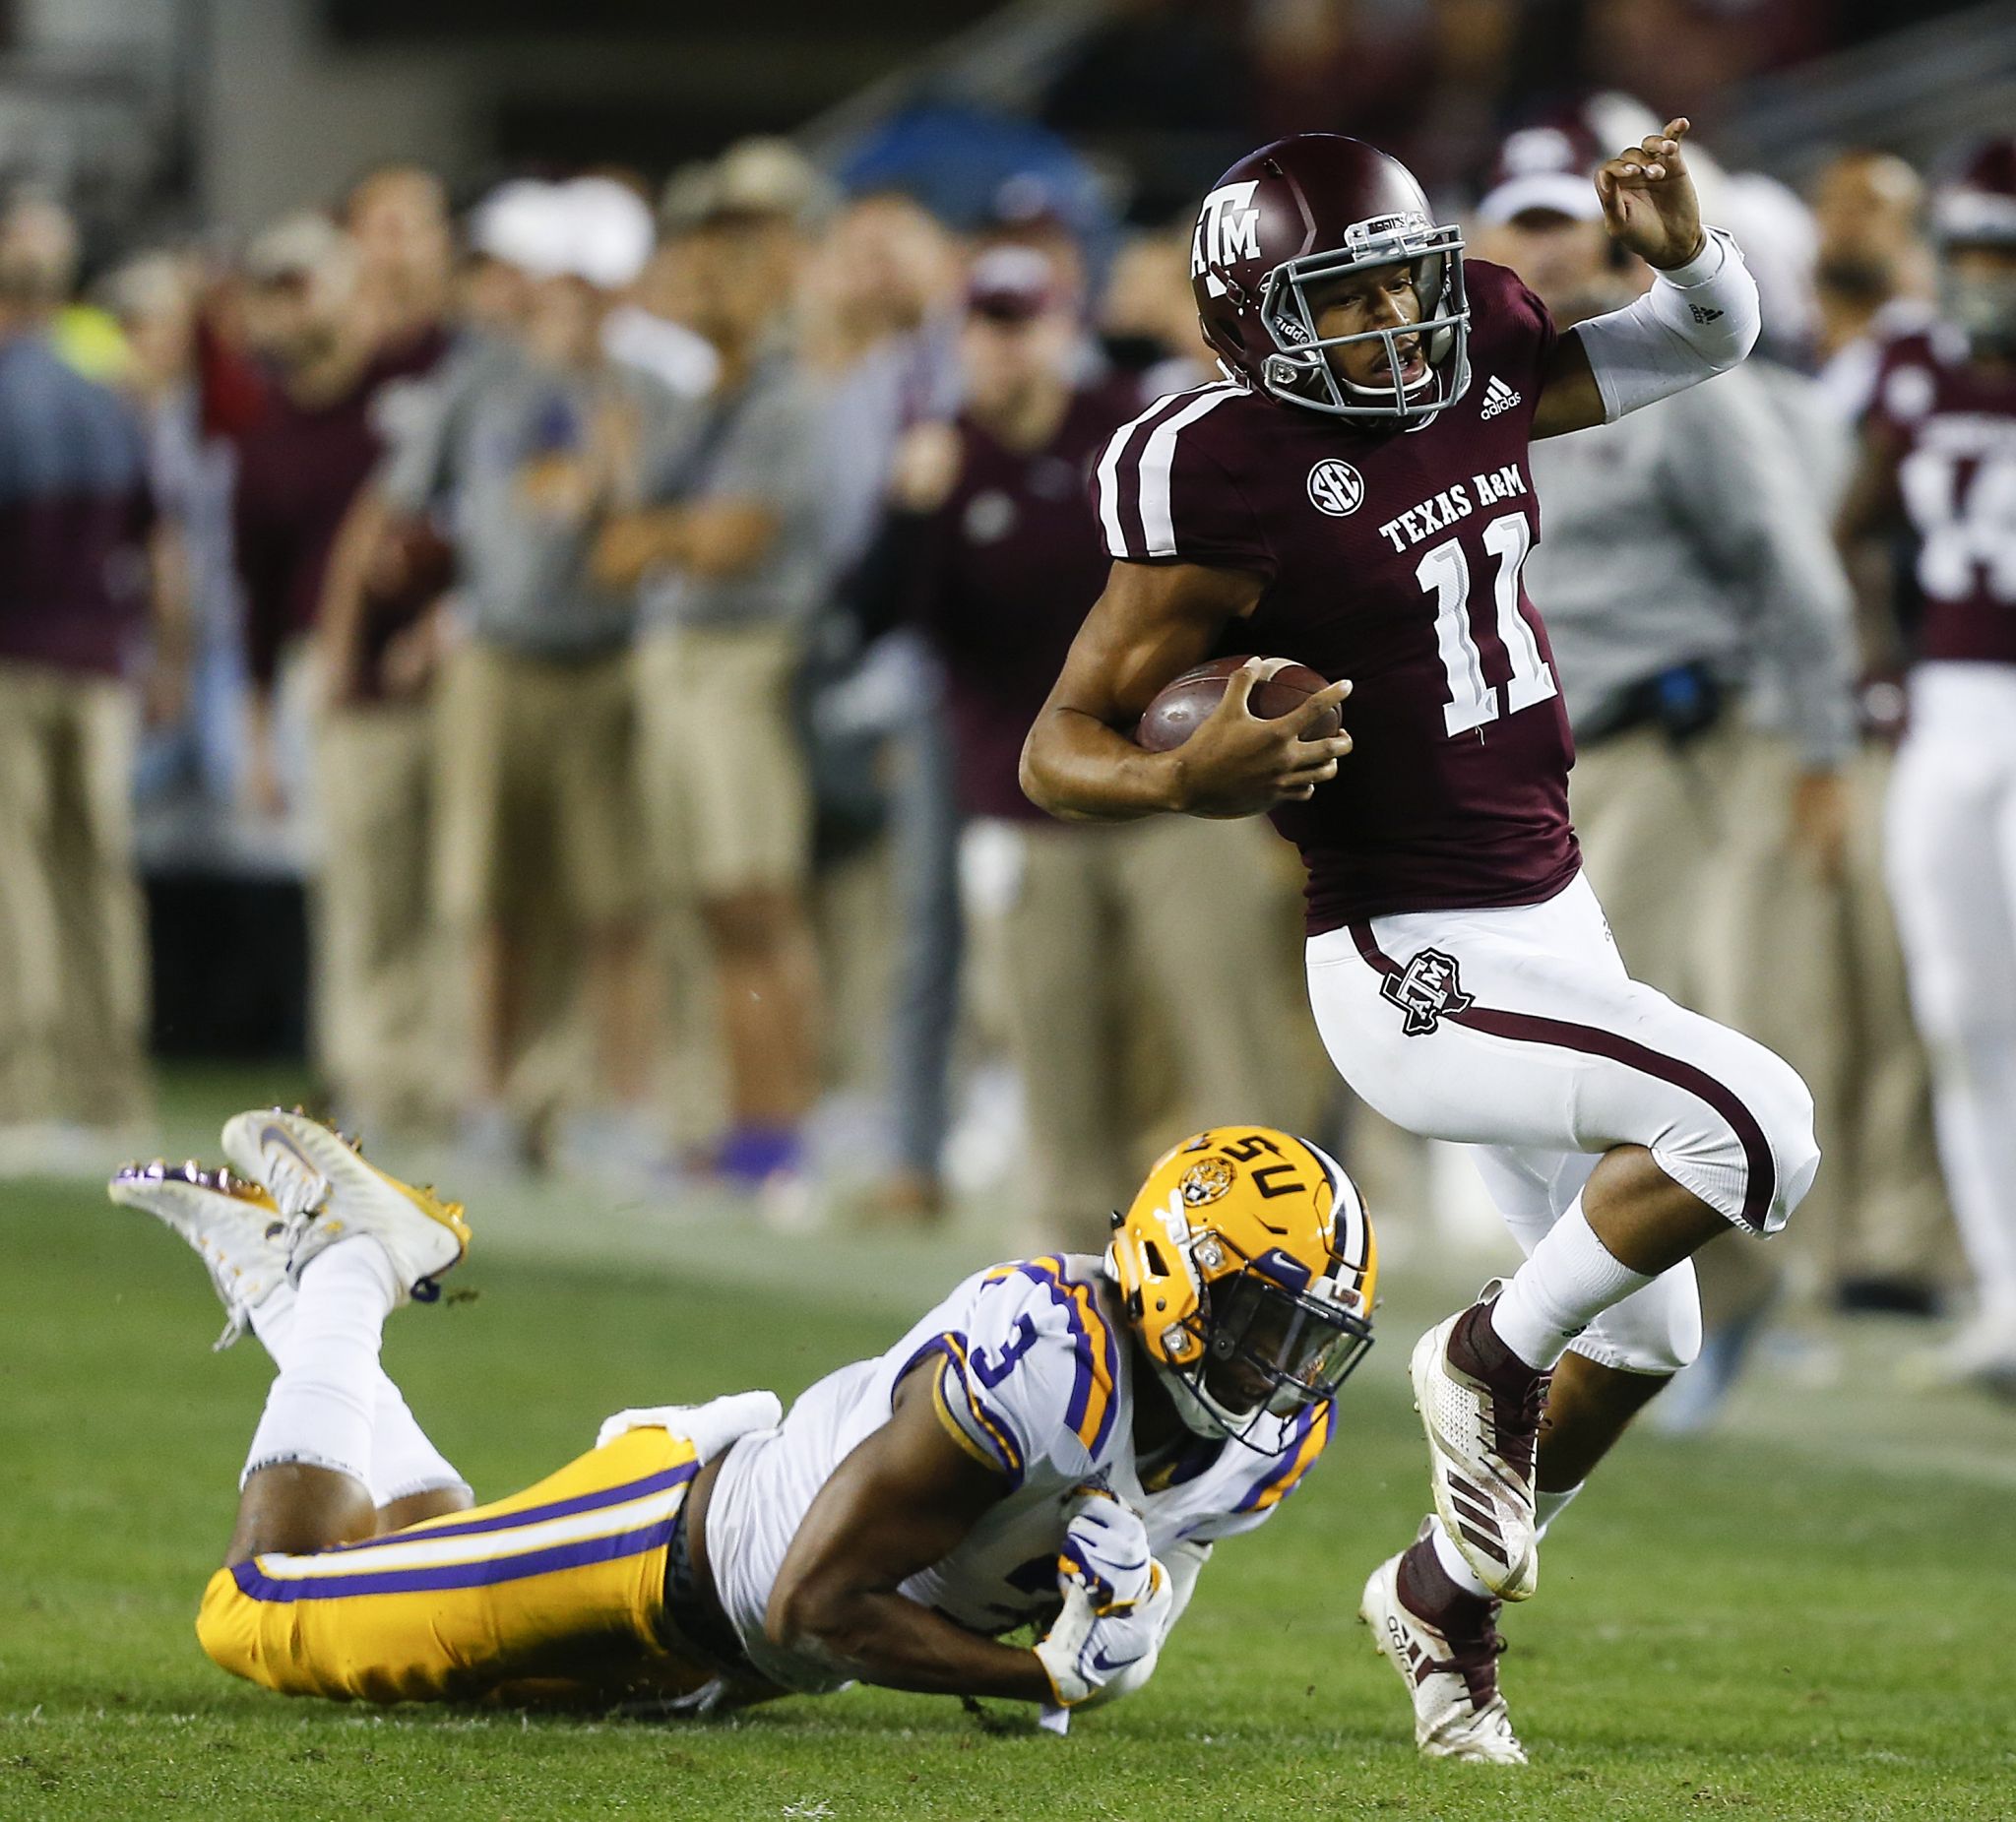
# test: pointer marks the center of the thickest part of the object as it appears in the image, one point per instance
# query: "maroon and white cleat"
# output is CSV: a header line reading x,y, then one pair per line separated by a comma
x,y
1481,1406
1444,1643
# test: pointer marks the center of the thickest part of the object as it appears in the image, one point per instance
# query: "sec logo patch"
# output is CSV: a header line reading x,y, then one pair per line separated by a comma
x,y
1335,487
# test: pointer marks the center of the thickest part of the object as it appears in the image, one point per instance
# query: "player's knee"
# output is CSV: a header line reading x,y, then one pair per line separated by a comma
x,y
1787,1117
1655,1331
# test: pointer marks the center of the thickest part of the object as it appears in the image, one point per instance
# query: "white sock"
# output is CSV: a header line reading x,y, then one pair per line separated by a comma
x,y
273,1322
321,1408
1455,1564
404,1462
1547,1507
1570,1280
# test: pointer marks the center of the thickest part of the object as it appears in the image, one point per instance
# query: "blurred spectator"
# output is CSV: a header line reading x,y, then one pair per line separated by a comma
x,y
1939,459
76,525
732,569
1872,269
1148,320
397,218
378,645
881,320
340,387
1877,1221
1869,208
527,446
155,301
1004,559
1691,820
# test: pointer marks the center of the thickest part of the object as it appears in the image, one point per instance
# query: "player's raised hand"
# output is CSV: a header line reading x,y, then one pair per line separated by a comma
x,y
1648,198
1239,764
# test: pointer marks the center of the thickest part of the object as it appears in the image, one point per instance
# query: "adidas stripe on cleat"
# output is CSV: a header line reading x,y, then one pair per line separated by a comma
x,y
1481,1416
326,1191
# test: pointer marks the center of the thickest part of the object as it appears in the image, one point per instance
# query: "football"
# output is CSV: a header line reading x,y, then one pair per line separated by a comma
x,y
1175,713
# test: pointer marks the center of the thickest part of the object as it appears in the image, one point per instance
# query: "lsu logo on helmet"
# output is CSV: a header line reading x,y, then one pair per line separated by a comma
x,y
1247,1267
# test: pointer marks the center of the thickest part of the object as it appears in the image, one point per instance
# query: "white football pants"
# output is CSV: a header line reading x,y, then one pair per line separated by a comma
x,y
1951,862
1517,1031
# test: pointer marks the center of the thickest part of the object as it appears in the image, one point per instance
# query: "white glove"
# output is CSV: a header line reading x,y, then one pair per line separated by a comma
x,y
712,1428
1116,1606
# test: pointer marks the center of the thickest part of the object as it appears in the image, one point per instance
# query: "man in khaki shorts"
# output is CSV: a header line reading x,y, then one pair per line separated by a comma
x,y
532,446
730,572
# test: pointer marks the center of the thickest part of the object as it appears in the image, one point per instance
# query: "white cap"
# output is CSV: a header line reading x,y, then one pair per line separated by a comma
x,y
523,224
592,228
609,232
1543,167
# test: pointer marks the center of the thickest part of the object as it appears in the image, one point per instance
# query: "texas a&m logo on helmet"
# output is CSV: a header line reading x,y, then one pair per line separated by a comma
x,y
1306,212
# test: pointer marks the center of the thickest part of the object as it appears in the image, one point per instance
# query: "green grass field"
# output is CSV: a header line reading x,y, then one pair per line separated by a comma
x,y
1805,1618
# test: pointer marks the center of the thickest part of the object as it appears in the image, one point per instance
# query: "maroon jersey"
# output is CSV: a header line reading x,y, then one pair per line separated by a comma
x,y
1950,425
1009,567
1392,558
299,468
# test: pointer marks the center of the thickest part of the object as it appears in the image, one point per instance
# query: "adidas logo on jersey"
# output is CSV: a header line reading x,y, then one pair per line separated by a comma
x,y
1498,397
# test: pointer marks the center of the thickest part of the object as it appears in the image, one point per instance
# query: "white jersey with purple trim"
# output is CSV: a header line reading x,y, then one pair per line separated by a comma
x,y
1033,1372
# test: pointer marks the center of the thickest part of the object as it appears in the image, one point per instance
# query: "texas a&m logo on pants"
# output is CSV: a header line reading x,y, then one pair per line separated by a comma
x,y
1425,989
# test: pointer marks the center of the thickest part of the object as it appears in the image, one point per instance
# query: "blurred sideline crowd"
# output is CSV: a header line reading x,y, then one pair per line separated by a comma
x,y
627,607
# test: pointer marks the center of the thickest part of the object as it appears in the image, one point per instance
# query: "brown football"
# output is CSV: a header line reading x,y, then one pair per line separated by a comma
x,y
1174,715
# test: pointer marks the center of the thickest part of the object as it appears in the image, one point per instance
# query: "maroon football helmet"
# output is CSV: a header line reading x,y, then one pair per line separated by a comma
x,y
1310,209
1978,211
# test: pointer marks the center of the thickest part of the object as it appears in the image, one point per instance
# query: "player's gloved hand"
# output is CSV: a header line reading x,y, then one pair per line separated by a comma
x,y
1116,1601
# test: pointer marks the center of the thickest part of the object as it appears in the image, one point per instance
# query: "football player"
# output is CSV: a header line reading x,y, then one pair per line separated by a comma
x,y
1059,1444
1354,495
1939,464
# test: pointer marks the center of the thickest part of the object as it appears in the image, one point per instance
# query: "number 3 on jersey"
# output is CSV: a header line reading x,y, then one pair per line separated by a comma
x,y
1444,573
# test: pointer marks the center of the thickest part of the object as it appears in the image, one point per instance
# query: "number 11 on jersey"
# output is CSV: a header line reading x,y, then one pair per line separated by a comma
x,y
1444,572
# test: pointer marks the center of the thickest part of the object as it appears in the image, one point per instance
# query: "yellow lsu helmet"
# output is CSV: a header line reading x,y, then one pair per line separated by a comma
x,y
1247,1266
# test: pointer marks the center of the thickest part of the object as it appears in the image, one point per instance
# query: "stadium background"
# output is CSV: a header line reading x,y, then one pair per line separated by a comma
x,y
1778,1609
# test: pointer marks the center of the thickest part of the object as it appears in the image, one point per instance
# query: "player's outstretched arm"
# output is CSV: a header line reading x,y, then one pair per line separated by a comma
x,y
899,1503
1153,622
1700,318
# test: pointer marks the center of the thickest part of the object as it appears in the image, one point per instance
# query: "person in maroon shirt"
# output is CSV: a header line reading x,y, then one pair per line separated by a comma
x,y
347,322
1005,560
1355,496
1940,463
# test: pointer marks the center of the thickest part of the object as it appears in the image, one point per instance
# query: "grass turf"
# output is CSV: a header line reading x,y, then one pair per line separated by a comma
x,y
1725,1626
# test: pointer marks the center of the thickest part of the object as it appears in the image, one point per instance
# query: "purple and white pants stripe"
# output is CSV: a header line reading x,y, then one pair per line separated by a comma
x,y
1518,1031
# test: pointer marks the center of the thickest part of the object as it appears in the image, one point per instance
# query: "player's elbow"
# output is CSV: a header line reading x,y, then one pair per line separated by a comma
x,y
814,1613
1031,775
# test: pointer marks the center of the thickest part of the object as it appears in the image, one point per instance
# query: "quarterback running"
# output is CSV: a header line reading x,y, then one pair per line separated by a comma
x,y
1353,496
1057,1445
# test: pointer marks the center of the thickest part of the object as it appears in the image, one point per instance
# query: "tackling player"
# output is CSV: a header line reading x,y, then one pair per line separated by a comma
x,y
1940,462
1059,1443
1355,496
